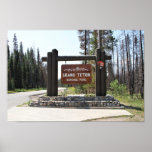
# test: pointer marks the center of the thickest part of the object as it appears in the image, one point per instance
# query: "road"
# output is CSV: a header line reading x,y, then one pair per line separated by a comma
x,y
15,99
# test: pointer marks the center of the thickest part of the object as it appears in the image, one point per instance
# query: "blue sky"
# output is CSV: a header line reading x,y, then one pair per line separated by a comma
x,y
65,41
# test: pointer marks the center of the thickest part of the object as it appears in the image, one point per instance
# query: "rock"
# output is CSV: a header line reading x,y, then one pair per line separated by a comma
x,y
62,104
44,98
97,98
75,101
66,104
90,104
41,104
81,99
98,104
44,104
104,104
31,104
59,99
68,98
70,104
109,97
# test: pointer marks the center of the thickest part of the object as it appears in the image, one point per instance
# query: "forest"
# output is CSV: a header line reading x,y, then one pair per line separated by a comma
x,y
25,69
124,70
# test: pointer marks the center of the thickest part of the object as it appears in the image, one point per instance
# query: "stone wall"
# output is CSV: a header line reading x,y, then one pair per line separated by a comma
x,y
75,102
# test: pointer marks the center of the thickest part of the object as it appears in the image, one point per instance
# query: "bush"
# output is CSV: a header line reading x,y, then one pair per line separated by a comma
x,y
86,88
79,89
118,89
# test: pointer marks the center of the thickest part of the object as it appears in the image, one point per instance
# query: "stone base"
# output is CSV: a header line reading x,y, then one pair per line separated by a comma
x,y
75,102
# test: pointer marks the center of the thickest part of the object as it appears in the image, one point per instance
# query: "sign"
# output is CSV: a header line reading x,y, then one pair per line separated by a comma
x,y
100,64
76,74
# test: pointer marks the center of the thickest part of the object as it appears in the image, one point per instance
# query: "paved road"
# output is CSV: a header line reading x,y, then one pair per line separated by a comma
x,y
22,97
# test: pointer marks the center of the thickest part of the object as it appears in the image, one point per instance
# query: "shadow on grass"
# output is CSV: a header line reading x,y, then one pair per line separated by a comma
x,y
132,107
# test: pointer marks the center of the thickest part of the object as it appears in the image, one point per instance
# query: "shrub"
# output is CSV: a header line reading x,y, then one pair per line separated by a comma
x,y
118,89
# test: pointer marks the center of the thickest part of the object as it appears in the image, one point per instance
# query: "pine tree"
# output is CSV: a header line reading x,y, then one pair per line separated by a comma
x,y
84,37
16,60
38,69
9,70
21,65
24,69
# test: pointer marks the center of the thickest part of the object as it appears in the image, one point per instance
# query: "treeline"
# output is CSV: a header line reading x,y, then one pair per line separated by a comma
x,y
130,61
89,42
25,69
127,51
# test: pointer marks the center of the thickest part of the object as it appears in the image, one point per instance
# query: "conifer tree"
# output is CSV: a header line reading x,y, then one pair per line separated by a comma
x,y
24,69
16,60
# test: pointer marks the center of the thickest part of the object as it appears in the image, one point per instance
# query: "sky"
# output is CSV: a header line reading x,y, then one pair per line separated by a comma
x,y
65,41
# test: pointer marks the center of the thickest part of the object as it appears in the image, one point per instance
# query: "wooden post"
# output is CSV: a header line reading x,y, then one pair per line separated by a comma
x,y
103,75
100,74
49,70
54,72
85,45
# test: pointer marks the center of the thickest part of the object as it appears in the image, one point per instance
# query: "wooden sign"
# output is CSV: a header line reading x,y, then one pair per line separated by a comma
x,y
76,74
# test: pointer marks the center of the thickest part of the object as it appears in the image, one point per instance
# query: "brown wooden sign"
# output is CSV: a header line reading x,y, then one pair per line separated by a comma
x,y
76,74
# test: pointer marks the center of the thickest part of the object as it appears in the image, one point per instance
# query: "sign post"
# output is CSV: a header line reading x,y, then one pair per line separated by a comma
x,y
100,74
76,74
49,75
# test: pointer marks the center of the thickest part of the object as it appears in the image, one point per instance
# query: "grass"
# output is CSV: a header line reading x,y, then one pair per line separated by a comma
x,y
104,118
135,105
25,104
25,90
89,95
69,90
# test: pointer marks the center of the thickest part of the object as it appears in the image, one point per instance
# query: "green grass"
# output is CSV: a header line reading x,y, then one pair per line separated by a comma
x,y
90,95
104,118
25,104
135,102
71,90
25,90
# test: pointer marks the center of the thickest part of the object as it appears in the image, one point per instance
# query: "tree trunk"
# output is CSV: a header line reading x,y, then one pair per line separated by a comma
x,y
128,64
118,65
124,72
142,67
133,65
